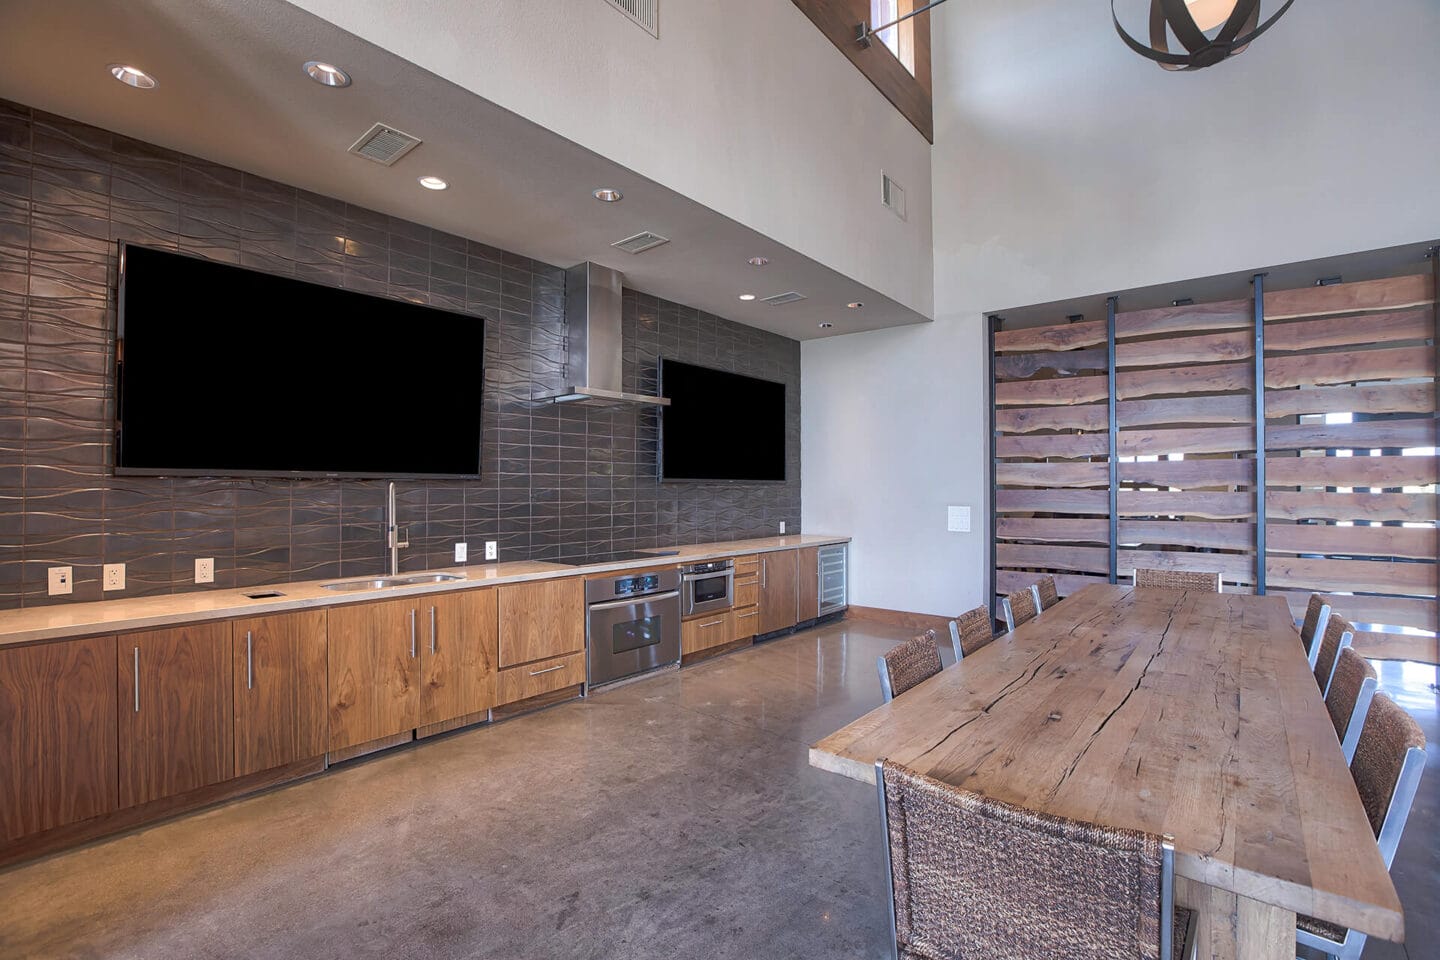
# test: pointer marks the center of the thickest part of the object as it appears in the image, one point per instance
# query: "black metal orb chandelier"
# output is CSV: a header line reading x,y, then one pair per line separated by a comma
x,y
1209,30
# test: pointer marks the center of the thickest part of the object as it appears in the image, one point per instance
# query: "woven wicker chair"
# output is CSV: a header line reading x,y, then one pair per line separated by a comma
x,y
1338,634
1046,596
1178,579
1019,607
1352,687
1317,616
906,664
974,877
973,630
1388,762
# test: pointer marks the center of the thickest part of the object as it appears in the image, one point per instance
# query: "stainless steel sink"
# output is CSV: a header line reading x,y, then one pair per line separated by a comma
x,y
382,583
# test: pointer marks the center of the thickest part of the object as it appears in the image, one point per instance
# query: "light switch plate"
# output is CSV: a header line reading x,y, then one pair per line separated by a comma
x,y
62,581
205,570
113,577
462,550
958,520
492,551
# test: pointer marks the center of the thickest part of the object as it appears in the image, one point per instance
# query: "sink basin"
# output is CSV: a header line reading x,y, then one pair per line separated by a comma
x,y
381,583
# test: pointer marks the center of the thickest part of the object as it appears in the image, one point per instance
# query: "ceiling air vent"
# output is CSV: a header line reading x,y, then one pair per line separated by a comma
x,y
783,298
644,12
892,195
384,144
640,242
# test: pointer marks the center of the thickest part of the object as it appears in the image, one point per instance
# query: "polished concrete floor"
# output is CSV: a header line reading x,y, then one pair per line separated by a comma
x,y
675,817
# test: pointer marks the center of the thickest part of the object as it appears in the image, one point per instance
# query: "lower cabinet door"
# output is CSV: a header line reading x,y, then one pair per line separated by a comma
x,y
374,671
57,734
705,632
280,690
175,720
807,583
457,655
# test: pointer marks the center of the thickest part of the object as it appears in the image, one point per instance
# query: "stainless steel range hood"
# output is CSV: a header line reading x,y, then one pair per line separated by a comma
x,y
594,368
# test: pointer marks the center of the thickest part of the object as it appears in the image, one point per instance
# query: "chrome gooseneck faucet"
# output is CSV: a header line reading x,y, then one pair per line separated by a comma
x,y
392,532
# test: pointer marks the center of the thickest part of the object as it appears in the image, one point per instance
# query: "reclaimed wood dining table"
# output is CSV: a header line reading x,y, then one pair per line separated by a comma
x,y
1177,712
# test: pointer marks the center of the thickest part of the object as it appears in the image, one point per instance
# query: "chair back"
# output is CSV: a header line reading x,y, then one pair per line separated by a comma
x,y
971,631
975,877
906,664
1337,636
1046,596
1351,689
1019,607
1389,759
1317,615
1178,579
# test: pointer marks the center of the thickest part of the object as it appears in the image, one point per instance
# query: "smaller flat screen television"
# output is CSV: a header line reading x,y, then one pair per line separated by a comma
x,y
229,372
720,426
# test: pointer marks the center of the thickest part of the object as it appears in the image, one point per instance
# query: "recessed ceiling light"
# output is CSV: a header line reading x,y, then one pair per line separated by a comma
x,y
826,325
747,296
758,261
132,76
433,183
326,74
607,194
854,304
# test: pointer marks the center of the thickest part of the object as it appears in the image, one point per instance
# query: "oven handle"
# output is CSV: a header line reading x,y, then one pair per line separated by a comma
x,y
635,601
692,577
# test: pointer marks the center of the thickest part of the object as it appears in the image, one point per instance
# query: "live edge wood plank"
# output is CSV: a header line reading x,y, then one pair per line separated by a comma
x,y
1181,712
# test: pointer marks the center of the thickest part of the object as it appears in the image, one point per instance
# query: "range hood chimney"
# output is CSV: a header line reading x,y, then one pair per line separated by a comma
x,y
594,367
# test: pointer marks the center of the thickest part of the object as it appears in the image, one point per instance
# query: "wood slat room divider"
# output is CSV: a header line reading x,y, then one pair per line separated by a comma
x,y
1132,441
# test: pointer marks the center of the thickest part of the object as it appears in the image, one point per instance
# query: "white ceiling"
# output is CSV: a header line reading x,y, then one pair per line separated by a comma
x,y
231,90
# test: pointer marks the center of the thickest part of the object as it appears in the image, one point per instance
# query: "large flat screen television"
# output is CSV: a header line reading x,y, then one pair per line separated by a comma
x,y
720,426
225,371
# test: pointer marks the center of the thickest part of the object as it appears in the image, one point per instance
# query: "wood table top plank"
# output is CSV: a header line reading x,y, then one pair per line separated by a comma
x,y
1175,712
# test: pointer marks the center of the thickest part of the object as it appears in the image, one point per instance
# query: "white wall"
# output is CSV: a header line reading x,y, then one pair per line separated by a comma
x,y
743,106
1066,165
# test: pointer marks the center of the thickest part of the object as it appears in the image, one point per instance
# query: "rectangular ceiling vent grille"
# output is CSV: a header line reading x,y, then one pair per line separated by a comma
x,y
384,144
892,195
783,298
644,12
640,242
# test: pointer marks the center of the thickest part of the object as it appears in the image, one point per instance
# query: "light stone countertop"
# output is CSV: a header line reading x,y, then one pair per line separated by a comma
x,y
63,621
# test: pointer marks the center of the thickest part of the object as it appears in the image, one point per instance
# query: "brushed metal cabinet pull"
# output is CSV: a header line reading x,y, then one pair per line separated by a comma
x,y
249,663
558,666
764,572
712,623
412,634
137,679
432,629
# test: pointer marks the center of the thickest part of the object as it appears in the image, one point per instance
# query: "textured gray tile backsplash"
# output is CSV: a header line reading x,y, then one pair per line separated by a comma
x,y
554,478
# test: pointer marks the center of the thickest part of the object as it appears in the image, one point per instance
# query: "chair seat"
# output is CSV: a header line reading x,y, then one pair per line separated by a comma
x,y
1321,928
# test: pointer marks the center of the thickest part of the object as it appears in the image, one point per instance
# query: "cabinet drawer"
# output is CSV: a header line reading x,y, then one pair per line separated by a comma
x,y
702,633
748,565
533,679
747,594
747,623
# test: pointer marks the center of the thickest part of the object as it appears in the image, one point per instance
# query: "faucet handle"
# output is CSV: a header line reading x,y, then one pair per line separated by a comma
x,y
402,536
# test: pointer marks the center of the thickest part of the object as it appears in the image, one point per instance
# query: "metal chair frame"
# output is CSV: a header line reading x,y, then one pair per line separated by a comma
x,y
1010,613
1167,884
1346,639
1356,723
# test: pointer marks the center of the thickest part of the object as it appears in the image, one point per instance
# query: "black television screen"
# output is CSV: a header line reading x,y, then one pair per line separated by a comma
x,y
225,371
720,426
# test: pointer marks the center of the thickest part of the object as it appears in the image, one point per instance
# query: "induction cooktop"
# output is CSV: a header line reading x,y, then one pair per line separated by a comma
x,y
614,556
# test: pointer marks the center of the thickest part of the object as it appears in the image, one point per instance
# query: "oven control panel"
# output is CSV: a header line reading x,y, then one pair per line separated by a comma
x,y
631,586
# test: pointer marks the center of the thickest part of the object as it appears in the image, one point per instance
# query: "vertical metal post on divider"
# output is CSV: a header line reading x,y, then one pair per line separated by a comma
x,y
1114,441
993,321
1258,283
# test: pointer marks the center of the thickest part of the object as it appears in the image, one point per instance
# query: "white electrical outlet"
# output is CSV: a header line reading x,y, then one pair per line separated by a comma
x,y
782,526
205,570
113,577
62,581
492,551
958,520
462,550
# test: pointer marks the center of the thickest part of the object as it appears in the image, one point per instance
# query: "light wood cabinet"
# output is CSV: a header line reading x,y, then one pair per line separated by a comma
x,y
374,672
533,679
746,620
807,583
279,666
57,734
175,727
747,623
706,631
457,655
541,620
777,591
